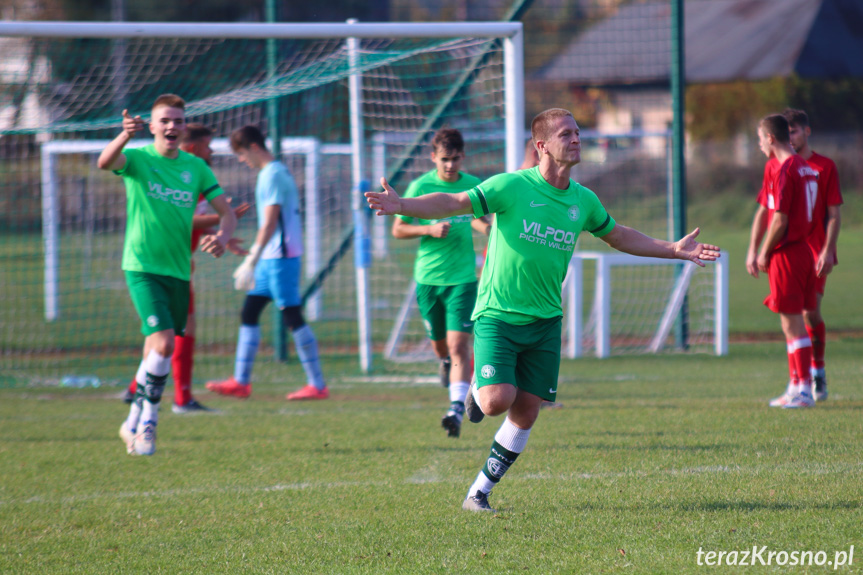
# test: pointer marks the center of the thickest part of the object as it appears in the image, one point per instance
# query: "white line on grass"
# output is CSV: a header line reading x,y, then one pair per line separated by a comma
x,y
817,469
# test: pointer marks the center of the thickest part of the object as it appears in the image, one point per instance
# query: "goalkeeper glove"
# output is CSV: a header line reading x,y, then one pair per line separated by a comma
x,y
244,275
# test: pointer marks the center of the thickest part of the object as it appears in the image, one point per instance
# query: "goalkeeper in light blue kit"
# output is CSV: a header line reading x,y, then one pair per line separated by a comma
x,y
517,332
271,271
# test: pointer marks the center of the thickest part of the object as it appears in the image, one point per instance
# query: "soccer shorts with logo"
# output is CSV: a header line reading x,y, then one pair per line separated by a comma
x,y
527,356
279,280
162,302
792,280
446,308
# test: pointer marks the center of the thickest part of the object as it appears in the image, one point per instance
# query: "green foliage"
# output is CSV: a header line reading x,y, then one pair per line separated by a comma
x,y
649,460
720,111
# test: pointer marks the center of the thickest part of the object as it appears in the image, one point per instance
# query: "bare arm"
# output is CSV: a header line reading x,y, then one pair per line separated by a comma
x,y
403,230
215,244
112,157
482,225
775,232
207,221
429,207
827,257
759,225
631,241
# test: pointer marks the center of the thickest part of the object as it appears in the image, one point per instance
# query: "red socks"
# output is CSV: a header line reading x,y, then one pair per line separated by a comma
x,y
818,335
181,366
800,356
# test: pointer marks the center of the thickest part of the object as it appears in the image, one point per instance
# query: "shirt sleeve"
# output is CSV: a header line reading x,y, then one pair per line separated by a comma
x,y
210,188
599,221
269,192
128,169
495,195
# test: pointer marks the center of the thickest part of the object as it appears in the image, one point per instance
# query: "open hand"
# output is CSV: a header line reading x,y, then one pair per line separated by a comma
x,y
214,244
689,249
385,203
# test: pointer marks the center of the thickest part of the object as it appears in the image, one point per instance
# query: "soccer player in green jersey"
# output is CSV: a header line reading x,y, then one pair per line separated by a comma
x,y
539,214
162,188
445,270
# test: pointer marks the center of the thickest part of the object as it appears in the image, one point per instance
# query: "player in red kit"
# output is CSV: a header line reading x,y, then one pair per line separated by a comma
x,y
822,239
783,221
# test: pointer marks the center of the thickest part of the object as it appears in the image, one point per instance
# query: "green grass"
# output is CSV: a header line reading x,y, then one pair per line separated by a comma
x,y
649,460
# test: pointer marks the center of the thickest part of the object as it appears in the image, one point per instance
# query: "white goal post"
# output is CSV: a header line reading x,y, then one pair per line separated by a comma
x,y
656,336
309,148
509,35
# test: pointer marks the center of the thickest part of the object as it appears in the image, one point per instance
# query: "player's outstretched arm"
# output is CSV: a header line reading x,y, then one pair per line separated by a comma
x,y
429,207
112,157
631,241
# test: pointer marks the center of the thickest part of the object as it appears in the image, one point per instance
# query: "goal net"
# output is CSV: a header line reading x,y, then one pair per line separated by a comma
x,y
354,102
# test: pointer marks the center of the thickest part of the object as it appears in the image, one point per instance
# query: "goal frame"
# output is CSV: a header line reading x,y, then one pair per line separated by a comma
x,y
511,34
573,290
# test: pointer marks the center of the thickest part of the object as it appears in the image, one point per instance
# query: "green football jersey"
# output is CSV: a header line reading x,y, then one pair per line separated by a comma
x,y
451,260
533,237
161,195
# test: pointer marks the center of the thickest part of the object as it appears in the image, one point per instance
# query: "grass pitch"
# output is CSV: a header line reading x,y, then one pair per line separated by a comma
x,y
649,460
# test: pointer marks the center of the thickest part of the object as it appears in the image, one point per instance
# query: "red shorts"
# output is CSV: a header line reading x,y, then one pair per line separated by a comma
x,y
819,285
792,280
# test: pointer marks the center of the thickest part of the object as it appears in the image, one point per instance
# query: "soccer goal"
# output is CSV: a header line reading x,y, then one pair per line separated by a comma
x,y
341,91
644,305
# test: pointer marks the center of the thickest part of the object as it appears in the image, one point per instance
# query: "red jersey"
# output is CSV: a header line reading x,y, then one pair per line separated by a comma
x,y
828,195
792,190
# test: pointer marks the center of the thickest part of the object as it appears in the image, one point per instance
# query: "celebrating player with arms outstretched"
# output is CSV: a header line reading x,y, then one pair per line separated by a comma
x,y
539,214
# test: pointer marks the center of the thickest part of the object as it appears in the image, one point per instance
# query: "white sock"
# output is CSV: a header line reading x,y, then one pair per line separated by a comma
x,y
458,391
134,416
155,365
512,437
482,483
150,413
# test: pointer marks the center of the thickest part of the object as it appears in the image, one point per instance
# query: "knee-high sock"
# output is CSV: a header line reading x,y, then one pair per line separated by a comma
x,y
801,349
818,335
140,377
247,347
509,442
158,367
307,350
181,364
145,408
458,391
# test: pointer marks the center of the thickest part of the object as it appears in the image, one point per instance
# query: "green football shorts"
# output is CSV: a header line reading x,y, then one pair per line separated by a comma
x,y
446,308
162,302
527,356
